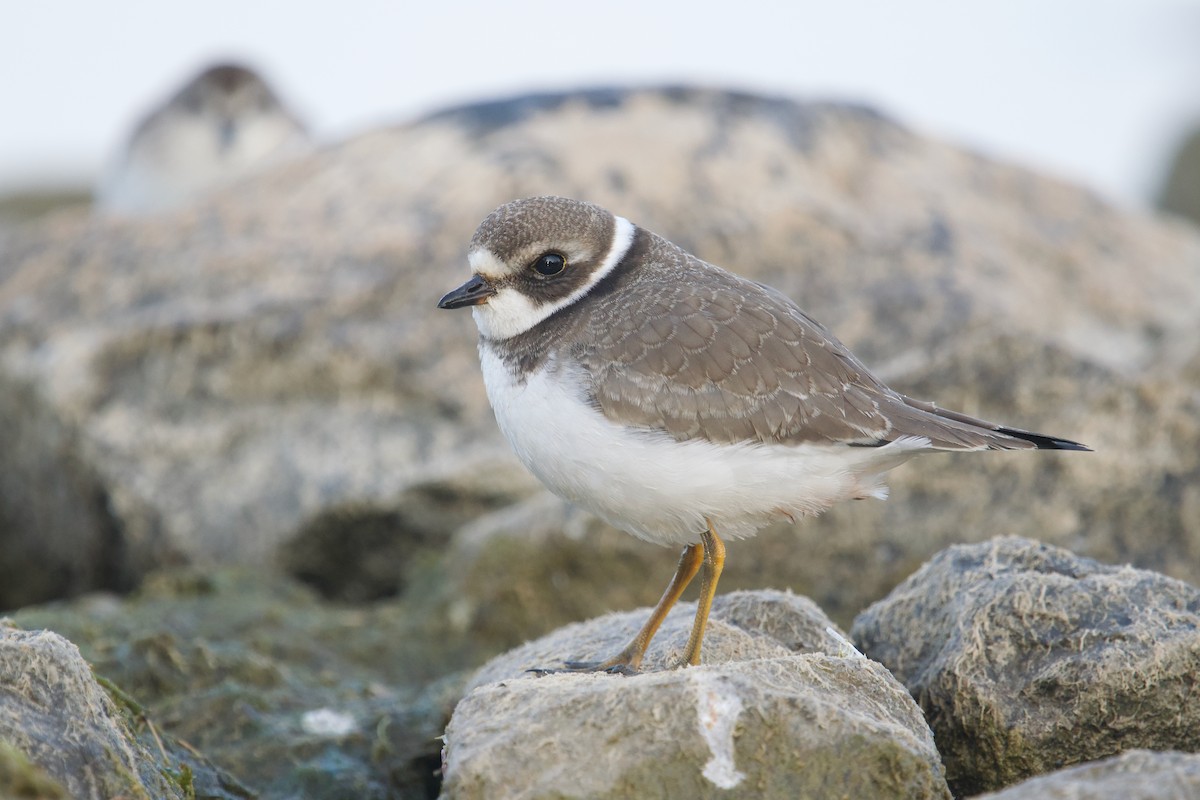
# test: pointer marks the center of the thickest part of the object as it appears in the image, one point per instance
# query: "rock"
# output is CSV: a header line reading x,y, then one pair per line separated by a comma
x,y
1133,775
779,708
264,378
62,736
296,697
1026,657
21,778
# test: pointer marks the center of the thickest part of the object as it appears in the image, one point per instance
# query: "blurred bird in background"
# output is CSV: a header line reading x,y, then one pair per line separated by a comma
x,y
222,125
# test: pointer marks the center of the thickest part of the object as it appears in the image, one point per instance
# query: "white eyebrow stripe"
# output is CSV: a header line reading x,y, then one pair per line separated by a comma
x,y
483,262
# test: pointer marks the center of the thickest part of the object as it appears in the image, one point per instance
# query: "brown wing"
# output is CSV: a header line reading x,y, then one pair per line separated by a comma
x,y
710,355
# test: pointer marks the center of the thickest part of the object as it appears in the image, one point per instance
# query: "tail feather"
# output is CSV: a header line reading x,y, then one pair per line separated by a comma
x,y
1042,442
950,430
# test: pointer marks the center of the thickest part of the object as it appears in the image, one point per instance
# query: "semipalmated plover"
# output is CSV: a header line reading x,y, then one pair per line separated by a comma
x,y
222,125
676,400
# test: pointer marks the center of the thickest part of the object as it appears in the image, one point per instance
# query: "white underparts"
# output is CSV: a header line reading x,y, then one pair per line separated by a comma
x,y
509,312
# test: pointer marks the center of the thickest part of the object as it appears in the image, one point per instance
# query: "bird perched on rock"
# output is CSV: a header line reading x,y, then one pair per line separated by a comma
x,y
222,125
676,400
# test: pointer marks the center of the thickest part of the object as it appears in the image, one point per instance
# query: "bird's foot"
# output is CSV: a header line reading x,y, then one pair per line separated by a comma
x,y
612,667
618,665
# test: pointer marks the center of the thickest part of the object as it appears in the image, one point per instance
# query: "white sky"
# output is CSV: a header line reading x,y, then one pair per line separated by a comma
x,y
1095,90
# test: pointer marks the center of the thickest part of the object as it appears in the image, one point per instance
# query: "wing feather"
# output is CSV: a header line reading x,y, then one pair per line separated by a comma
x,y
714,356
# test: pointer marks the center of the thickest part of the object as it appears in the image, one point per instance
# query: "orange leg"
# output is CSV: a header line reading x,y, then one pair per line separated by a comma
x,y
714,562
630,658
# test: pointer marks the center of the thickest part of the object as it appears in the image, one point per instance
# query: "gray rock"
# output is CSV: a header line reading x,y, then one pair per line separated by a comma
x,y
1026,657
264,376
21,778
1134,775
294,696
779,708
63,736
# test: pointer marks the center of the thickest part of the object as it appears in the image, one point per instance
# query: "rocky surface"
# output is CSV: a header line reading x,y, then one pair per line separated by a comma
x,y
295,697
298,697
61,734
779,708
21,778
1135,775
1026,657
264,377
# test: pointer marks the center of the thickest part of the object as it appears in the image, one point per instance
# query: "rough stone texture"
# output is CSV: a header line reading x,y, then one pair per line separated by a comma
x,y
61,734
21,779
1026,657
1135,775
779,708
294,696
265,376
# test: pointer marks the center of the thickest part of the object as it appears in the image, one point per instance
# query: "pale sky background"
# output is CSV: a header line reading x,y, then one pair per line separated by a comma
x,y
1098,91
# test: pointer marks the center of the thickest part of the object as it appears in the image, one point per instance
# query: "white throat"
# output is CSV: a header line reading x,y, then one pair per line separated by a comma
x,y
509,312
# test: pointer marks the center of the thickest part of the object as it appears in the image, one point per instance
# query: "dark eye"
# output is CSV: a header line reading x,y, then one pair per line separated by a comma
x,y
549,264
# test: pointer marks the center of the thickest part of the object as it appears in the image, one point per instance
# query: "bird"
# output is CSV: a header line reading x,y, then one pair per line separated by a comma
x,y
221,125
676,400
